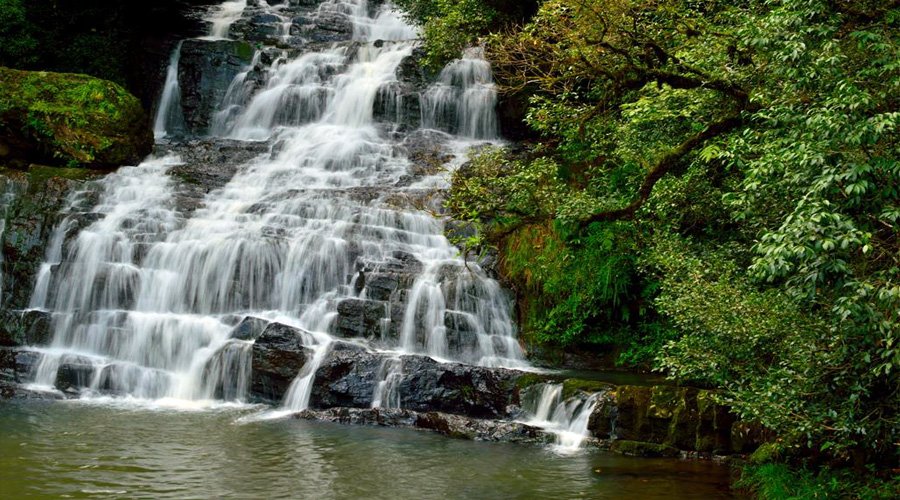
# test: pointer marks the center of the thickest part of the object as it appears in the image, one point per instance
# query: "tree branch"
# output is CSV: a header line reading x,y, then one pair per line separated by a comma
x,y
664,166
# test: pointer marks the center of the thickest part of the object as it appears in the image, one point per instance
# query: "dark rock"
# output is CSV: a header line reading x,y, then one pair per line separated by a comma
x,y
73,374
250,328
428,385
380,286
462,334
360,318
205,71
278,355
347,377
455,426
683,418
33,206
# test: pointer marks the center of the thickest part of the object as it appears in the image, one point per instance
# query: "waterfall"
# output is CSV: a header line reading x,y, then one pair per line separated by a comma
x,y
387,391
463,99
169,116
145,297
567,419
5,199
222,17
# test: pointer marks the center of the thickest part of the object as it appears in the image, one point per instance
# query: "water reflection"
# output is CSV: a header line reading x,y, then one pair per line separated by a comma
x,y
77,450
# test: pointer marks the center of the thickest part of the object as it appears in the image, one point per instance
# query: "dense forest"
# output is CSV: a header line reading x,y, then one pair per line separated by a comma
x,y
710,190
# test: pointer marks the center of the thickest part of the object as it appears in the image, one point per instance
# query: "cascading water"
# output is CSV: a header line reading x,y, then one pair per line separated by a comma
x,y
566,418
463,99
144,299
222,17
169,116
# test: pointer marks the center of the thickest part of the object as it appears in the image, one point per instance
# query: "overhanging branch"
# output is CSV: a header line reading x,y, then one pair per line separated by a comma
x,y
664,165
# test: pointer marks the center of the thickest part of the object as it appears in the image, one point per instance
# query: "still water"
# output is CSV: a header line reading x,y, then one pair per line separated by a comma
x,y
77,449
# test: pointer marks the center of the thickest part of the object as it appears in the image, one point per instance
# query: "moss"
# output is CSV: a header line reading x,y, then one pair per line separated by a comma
x,y
767,452
71,120
572,386
642,449
244,50
530,379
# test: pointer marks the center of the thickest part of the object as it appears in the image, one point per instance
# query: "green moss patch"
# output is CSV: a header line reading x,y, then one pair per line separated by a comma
x,y
70,120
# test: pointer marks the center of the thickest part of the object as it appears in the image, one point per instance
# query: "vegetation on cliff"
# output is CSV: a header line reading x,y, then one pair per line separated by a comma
x,y
715,193
68,119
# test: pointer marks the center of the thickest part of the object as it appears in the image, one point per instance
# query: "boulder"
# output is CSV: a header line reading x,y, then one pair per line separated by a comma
x,y
70,120
475,391
250,328
278,355
360,318
346,377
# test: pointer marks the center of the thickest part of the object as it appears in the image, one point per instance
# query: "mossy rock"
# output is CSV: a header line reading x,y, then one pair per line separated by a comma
x,y
572,386
70,120
642,449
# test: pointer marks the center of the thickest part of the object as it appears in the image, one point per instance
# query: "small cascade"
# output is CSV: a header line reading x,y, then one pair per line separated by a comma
x,y
568,419
464,98
387,392
297,397
5,199
169,115
223,16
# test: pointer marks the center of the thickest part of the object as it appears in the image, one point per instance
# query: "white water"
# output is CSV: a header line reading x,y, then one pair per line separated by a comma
x,y
463,99
169,115
145,297
387,391
566,419
222,17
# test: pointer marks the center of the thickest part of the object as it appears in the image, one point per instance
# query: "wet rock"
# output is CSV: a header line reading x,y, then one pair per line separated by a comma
x,y
428,385
347,377
380,286
462,334
73,374
684,418
278,355
334,26
360,318
455,426
36,327
250,328
205,70
33,205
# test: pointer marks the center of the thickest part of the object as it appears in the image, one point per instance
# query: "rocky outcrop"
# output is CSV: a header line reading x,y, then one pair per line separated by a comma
x,y
15,365
70,120
31,204
205,71
651,421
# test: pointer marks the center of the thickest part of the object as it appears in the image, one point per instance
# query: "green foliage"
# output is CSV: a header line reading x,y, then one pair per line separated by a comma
x,y
778,481
450,26
717,182
16,34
